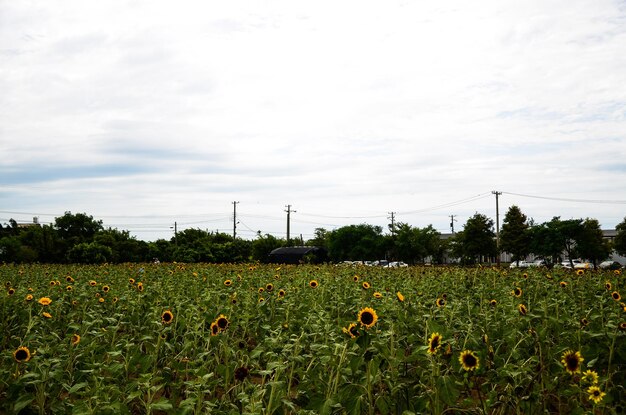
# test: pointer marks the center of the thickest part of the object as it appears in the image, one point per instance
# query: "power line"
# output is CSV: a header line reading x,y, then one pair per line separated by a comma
x,y
608,202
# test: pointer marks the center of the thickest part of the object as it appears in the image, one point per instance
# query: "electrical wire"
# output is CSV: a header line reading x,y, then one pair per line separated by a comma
x,y
608,202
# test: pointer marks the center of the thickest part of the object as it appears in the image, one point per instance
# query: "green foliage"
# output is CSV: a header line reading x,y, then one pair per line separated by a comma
x,y
476,240
515,234
590,243
356,242
290,354
619,243
413,245
89,253
263,245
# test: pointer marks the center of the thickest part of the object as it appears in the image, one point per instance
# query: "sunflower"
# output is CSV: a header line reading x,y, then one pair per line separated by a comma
x,y
75,339
440,302
313,284
167,317
595,394
44,301
572,361
608,285
106,288
367,317
525,275
261,290
493,303
69,279
11,291
584,322
355,278
400,296
53,283
590,376
351,330
46,315
21,354
434,343
69,288
228,283
366,285
131,281
101,300
214,329
222,322
622,325
517,292
563,284
269,287
281,293
139,287
580,272
616,296
378,295
115,299
522,309
29,297
93,283
469,360
261,300
617,272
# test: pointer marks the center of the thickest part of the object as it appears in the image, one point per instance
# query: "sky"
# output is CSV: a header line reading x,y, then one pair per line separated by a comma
x,y
144,114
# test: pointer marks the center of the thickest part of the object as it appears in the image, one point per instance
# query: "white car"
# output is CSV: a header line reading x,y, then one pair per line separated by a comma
x,y
522,264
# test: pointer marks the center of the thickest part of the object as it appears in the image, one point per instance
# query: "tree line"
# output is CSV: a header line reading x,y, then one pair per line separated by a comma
x,y
79,238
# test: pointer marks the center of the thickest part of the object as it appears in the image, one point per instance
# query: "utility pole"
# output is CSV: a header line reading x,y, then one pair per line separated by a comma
x,y
234,220
289,211
497,226
452,220
175,227
393,223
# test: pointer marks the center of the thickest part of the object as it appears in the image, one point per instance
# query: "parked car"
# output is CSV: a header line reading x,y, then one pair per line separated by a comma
x,y
610,265
566,264
396,264
522,264
583,265
539,263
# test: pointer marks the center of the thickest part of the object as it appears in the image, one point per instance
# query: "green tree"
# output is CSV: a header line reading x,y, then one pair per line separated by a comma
x,y
320,239
413,244
619,243
553,238
476,240
263,245
356,242
590,243
515,235
125,248
89,253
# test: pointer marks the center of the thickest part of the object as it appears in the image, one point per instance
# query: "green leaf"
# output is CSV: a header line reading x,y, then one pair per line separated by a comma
x,y
161,405
22,402
77,387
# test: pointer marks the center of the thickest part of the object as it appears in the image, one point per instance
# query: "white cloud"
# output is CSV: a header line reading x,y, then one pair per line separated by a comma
x,y
346,109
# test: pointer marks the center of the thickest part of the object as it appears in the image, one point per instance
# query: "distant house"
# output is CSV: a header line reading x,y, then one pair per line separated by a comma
x,y
298,255
35,222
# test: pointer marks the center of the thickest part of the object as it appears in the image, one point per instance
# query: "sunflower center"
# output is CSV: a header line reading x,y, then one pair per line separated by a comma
x,y
572,362
222,323
167,317
434,343
367,317
470,360
21,355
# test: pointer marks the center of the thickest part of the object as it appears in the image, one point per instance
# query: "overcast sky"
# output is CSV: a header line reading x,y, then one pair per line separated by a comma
x,y
146,113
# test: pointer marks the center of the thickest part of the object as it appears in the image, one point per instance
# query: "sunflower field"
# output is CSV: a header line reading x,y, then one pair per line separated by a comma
x,y
263,339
